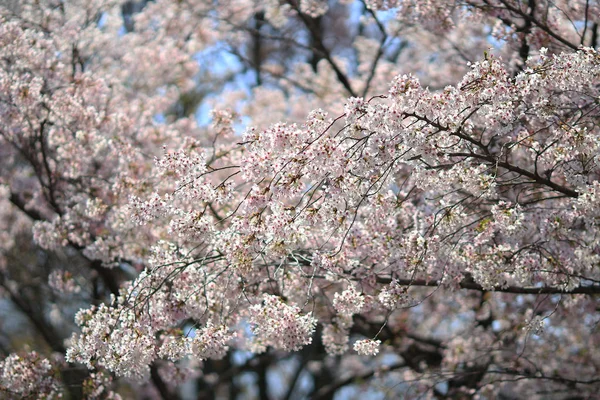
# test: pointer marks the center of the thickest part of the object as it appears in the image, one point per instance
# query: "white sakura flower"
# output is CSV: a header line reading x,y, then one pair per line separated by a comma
x,y
367,347
349,302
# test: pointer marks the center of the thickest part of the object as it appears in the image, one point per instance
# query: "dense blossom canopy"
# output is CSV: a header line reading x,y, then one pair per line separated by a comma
x,y
399,198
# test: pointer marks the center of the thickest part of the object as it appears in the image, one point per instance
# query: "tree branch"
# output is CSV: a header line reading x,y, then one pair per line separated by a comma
x,y
323,50
470,285
327,391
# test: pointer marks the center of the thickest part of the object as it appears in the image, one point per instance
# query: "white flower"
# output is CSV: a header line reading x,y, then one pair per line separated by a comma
x,y
349,302
367,347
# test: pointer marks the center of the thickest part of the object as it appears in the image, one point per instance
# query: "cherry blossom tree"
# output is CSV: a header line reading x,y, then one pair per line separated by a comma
x,y
300,199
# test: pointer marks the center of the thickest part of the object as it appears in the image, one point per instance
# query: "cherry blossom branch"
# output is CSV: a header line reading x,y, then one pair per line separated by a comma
x,y
513,168
492,159
470,285
535,21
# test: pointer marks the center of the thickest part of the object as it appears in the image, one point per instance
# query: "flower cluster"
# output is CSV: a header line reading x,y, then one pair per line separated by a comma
x,y
63,282
28,376
116,342
336,335
279,325
210,342
367,347
349,302
394,296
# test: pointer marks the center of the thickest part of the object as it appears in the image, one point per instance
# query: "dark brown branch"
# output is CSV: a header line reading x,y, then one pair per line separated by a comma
x,y
45,330
320,47
20,204
379,50
49,173
257,58
72,375
513,168
585,23
491,158
294,380
470,285
108,276
326,392
524,49
160,385
261,370
538,24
